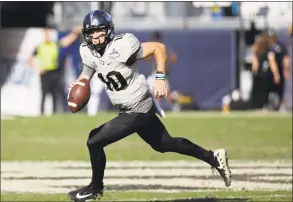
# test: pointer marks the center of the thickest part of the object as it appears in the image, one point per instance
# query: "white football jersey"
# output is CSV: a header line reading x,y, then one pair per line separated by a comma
x,y
126,86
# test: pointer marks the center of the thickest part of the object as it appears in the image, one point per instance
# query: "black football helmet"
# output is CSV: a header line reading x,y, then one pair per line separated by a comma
x,y
98,19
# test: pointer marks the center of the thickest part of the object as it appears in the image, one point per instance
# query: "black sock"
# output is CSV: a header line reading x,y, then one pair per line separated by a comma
x,y
98,162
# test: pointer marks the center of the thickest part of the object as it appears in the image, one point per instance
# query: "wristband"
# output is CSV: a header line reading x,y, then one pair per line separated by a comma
x,y
160,76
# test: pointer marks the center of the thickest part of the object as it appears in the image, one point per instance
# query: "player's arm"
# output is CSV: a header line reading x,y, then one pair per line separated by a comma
x,y
274,66
286,63
131,50
158,50
172,57
88,70
87,73
254,59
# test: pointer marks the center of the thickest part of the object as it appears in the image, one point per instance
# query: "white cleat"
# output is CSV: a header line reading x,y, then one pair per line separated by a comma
x,y
223,166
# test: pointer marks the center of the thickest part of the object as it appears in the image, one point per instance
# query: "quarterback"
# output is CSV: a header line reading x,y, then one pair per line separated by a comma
x,y
114,60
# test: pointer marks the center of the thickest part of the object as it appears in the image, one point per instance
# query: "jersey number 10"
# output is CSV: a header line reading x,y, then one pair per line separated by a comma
x,y
115,85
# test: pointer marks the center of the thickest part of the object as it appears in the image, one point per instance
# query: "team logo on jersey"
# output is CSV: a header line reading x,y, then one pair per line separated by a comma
x,y
101,62
95,65
114,54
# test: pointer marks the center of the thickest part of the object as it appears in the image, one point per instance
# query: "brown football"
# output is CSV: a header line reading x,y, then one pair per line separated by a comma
x,y
79,95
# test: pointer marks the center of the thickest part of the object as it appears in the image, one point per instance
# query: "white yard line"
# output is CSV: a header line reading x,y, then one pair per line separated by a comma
x,y
164,176
138,164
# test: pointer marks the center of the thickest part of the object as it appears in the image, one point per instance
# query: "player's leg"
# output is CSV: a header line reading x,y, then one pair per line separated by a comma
x,y
45,90
157,136
54,88
280,91
110,132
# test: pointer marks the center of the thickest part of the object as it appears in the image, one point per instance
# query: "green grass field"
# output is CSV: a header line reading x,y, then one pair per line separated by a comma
x,y
176,197
246,136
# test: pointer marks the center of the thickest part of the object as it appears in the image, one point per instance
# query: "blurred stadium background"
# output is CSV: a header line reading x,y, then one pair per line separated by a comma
x,y
212,41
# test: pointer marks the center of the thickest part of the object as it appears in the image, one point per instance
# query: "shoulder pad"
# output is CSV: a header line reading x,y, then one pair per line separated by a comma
x,y
124,45
85,54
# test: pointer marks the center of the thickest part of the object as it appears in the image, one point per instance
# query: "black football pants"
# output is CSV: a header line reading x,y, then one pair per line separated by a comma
x,y
149,127
50,85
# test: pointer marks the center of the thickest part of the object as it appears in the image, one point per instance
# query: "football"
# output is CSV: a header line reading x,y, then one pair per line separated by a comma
x,y
79,95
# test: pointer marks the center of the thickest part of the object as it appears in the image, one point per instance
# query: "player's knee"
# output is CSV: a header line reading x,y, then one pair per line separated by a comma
x,y
163,147
91,140
159,148
91,143
167,145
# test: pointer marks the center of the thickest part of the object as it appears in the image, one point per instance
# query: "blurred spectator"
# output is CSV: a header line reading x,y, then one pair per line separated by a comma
x,y
47,64
279,57
261,74
270,68
265,72
216,12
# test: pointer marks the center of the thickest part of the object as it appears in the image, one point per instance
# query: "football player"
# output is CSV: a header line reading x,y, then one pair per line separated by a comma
x,y
114,59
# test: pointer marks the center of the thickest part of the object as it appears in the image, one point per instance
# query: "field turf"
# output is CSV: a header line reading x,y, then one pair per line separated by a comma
x,y
247,136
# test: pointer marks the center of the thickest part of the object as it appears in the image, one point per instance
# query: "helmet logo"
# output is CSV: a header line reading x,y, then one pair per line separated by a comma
x,y
95,22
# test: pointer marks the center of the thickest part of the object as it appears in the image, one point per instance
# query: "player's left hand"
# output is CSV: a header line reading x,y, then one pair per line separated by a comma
x,y
160,89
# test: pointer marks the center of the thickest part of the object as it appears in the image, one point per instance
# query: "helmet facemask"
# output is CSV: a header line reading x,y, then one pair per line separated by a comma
x,y
108,36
